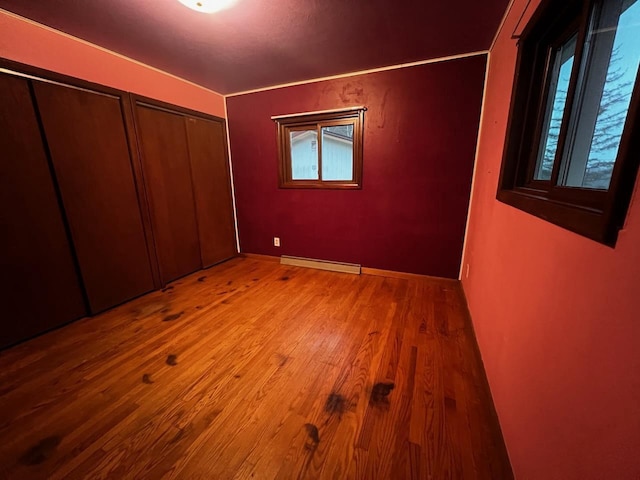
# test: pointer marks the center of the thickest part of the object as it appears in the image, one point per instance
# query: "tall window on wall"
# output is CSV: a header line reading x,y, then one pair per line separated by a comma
x,y
321,150
573,142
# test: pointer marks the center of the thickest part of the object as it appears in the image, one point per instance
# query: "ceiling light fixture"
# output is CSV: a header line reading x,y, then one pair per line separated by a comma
x,y
207,6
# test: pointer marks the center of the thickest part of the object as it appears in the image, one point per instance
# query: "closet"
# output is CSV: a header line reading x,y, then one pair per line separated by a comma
x,y
38,276
90,154
184,158
211,189
105,196
165,162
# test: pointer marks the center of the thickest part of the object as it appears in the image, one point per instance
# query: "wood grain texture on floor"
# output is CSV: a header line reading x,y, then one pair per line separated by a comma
x,y
252,369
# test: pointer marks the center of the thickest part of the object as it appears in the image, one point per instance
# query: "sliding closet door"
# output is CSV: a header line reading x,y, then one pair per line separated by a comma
x,y
40,286
212,189
165,161
88,143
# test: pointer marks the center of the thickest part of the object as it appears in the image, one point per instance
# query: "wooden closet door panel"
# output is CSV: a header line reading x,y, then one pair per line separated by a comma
x,y
212,189
88,143
39,285
165,163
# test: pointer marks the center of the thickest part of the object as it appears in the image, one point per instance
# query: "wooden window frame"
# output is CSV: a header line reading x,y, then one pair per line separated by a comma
x,y
286,123
596,214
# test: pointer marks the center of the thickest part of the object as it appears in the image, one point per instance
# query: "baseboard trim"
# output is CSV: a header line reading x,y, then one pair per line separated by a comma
x,y
320,264
258,256
502,447
376,272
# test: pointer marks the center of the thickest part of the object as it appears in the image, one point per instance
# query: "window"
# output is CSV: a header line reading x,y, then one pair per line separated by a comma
x,y
321,150
572,147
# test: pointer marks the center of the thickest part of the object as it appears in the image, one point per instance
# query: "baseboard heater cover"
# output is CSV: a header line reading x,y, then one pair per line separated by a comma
x,y
320,264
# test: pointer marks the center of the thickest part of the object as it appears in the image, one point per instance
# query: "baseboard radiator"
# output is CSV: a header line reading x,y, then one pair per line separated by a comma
x,y
320,264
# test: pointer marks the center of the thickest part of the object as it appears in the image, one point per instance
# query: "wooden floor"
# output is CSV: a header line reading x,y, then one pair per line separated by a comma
x,y
255,370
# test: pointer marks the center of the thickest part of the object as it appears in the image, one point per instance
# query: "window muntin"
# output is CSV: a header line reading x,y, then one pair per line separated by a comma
x,y
321,150
571,156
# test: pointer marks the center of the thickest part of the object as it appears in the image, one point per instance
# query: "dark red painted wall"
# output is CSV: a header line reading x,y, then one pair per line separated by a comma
x,y
420,136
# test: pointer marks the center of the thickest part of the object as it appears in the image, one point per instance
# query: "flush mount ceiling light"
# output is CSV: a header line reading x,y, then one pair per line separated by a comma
x,y
207,6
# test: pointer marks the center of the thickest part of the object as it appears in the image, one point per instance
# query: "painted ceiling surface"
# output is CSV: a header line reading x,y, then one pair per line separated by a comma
x,y
258,43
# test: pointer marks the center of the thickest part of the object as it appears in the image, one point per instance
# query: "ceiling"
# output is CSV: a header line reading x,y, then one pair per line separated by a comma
x,y
259,43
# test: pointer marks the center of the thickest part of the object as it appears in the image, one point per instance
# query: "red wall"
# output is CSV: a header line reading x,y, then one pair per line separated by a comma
x,y
28,42
420,136
556,317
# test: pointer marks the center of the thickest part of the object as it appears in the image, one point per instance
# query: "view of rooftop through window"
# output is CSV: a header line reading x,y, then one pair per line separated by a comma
x,y
337,153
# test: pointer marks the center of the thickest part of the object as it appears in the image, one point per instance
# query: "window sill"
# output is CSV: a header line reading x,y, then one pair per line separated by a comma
x,y
326,185
587,222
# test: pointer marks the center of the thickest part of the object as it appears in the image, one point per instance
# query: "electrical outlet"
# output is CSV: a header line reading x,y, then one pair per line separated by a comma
x,y
276,241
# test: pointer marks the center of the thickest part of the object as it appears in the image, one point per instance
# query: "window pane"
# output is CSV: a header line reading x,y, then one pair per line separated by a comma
x,y
562,64
612,52
304,154
337,152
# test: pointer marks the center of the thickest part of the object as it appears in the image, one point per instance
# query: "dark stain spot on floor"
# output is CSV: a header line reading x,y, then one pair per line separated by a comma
x,y
172,317
146,378
423,327
198,307
166,289
375,332
210,417
314,436
335,404
255,279
202,279
236,376
222,293
226,302
229,282
41,451
176,438
284,279
165,310
172,360
380,394
282,359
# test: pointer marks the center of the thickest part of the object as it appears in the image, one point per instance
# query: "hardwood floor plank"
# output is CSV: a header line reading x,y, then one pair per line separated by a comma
x,y
252,369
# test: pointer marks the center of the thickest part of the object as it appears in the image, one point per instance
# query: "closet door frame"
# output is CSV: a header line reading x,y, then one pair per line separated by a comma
x,y
137,99
39,74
